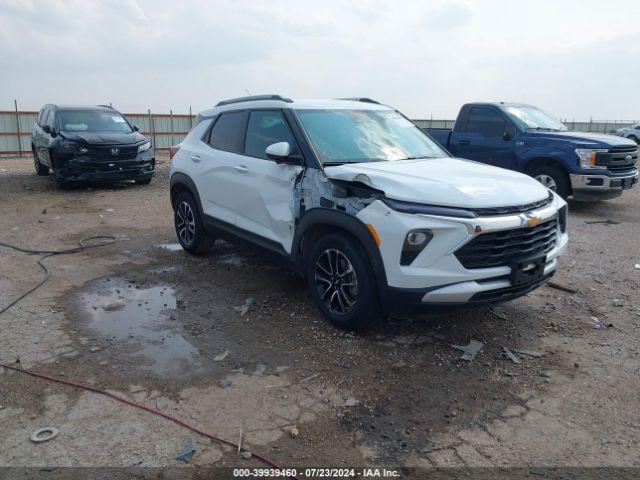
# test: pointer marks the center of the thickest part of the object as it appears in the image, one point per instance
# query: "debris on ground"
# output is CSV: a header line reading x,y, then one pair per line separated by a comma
x,y
246,455
501,315
224,383
161,403
637,266
399,365
564,288
187,452
469,351
293,432
508,355
221,357
530,353
260,368
603,222
617,302
351,402
596,323
244,308
44,434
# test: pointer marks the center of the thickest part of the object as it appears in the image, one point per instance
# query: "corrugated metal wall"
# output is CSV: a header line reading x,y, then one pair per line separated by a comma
x,y
166,129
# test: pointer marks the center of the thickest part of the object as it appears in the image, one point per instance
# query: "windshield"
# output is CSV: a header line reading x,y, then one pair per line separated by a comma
x,y
92,121
353,136
532,118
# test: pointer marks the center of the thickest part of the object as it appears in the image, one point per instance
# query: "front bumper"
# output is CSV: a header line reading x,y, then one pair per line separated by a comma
x,y
436,277
587,186
83,168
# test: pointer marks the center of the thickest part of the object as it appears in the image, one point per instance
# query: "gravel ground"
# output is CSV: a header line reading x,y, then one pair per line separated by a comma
x,y
148,321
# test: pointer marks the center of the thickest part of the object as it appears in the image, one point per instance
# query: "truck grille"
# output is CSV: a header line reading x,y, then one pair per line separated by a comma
x,y
112,152
497,249
486,212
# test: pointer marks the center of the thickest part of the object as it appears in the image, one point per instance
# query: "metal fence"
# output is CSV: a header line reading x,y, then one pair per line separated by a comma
x,y
166,129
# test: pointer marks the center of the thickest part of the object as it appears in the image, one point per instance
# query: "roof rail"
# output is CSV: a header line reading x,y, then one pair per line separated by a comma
x,y
361,99
253,98
106,106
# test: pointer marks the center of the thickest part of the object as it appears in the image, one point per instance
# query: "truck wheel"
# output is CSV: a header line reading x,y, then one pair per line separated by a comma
x,y
40,168
342,283
189,226
553,178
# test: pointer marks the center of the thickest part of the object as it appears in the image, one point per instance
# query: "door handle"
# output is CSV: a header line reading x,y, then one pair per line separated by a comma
x,y
241,169
464,142
195,158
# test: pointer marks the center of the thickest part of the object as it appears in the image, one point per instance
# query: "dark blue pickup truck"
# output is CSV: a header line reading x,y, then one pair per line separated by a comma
x,y
587,166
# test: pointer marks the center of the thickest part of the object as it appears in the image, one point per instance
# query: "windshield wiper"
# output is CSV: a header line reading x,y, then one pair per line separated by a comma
x,y
412,158
547,129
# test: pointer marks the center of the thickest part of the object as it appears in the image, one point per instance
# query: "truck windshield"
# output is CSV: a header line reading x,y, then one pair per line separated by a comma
x,y
354,136
532,118
92,121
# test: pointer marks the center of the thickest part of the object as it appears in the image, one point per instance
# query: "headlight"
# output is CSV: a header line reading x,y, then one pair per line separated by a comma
x,y
144,147
587,157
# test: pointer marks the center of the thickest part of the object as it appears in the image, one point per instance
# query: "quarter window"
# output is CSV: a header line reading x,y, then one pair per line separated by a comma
x,y
486,122
265,128
228,131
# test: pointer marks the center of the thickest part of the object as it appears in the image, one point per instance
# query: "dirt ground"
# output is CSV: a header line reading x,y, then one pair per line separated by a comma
x,y
147,321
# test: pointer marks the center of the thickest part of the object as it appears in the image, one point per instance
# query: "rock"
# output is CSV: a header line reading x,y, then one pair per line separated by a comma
x,y
351,402
293,432
224,383
95,349
246,455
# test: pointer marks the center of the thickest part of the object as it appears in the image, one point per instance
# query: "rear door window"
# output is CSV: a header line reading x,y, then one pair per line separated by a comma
x,y
486,122
266,127
228,132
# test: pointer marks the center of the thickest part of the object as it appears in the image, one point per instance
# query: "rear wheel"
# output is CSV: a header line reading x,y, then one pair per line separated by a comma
x,y
41,169
342,282
553,178
189,226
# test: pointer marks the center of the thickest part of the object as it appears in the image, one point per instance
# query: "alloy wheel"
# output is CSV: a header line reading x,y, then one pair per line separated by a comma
x,y
185,223
336,281
547,181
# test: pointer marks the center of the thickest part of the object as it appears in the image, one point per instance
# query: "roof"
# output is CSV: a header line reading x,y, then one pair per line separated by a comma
x,y
500,104
276,101
83,107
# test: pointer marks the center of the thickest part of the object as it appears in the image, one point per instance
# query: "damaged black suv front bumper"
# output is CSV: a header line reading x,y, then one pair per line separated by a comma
x,y
96,167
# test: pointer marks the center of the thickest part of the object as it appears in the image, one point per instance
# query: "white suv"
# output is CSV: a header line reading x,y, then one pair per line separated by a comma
x,y
365,205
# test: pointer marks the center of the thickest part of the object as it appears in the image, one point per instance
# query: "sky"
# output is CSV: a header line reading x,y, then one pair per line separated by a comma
x,y
576,59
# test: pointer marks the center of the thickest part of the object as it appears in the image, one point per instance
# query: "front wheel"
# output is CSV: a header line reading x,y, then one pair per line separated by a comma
x,y
553,178
189,226
342,282
41,169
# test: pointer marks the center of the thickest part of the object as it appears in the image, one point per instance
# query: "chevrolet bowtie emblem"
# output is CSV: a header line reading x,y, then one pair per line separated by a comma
x,y
529,220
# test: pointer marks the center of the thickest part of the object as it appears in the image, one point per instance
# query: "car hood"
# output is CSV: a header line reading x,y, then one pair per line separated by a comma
x,y
451,182
586,139
105,138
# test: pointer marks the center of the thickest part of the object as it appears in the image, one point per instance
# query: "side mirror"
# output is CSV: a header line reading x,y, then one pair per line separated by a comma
x,y
136,128
507,136
46,129
281,153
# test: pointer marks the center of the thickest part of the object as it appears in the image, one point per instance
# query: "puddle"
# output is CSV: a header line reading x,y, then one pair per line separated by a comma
x,y
172,247
140,321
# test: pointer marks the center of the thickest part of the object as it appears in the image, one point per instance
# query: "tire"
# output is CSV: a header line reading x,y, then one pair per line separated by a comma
x,y
189,226
41,169
554,178
346,306
144,181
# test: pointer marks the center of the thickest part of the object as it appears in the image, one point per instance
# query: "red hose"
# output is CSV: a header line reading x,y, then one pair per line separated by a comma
x,y
142,407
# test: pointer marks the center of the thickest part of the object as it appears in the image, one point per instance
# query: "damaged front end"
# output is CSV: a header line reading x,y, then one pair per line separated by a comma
x,y
75,162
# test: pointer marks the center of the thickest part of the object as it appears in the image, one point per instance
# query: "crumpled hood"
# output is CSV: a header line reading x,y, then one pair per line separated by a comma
x,y
451,182
594,140
105,138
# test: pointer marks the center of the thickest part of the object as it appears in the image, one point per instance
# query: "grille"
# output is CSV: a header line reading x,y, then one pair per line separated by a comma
x,y
622,169
497,249
483,212
105,152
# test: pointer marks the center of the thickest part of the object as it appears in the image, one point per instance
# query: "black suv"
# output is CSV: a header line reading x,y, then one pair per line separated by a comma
x,y
94,144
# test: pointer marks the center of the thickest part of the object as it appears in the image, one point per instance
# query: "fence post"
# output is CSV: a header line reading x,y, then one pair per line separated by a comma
x,y
152,128
171,123
15,104
190,118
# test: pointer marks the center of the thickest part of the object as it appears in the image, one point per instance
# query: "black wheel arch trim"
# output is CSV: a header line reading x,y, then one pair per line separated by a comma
x,y
352,225
184,180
